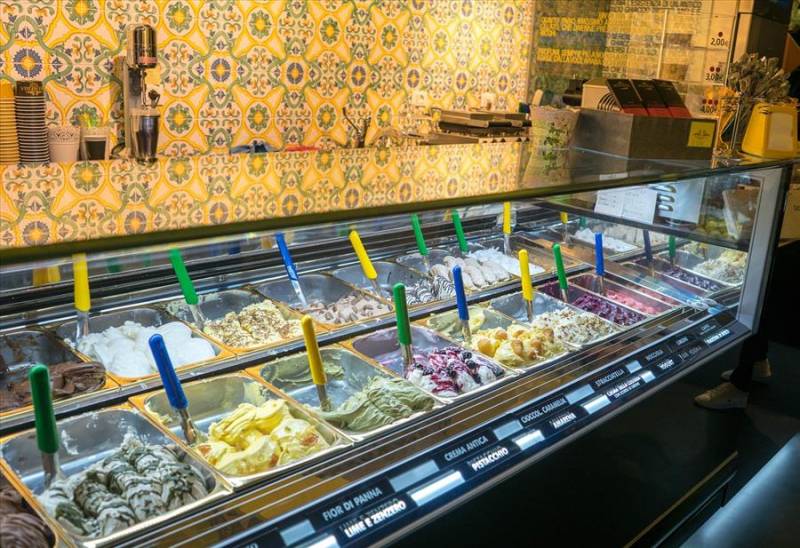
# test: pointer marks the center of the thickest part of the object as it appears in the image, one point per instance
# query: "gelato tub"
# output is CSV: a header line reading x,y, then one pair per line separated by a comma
x,y
71,377
679,290
664,268
589,302
657,291
611,245
439,366
119,340
363,398
617,239
511,343
122,476
570,326
242,320
476,275
491,249
332,303
249,432
726,267
420,289
622,295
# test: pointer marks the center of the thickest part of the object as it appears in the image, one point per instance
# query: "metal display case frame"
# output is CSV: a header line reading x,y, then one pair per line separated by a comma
x,y
384,487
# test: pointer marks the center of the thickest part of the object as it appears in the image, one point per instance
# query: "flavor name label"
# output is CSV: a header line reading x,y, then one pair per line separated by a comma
x,y
532,414
563,420
721,334
706,327
689,352
373,517
622,388
476,442
349,504
682,340
654,355
614,375
666,364
489,458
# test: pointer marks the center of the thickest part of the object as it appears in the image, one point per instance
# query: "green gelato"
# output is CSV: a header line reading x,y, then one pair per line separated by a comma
x,y
382,401
300,376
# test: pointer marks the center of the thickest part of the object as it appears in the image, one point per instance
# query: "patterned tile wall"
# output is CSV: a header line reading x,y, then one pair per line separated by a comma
x,y
86,200
280,70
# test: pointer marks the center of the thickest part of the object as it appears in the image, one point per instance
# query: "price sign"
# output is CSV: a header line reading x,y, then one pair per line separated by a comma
x,y
636,204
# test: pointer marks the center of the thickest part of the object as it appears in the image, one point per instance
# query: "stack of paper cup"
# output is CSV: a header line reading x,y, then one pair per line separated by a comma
x,y
64,143
31,129
9,149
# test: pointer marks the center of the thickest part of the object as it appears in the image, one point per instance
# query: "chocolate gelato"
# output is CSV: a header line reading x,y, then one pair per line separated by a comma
x,y
20,527
68,379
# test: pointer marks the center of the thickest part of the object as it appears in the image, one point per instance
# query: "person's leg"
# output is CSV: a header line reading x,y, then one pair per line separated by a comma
x,y
733,394
753,364
752,350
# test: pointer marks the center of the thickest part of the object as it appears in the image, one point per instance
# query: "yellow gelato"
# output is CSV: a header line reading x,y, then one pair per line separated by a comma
x,y
517,345
256,438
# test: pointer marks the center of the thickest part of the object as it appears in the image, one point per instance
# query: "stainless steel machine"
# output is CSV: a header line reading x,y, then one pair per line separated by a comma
x,y
140,106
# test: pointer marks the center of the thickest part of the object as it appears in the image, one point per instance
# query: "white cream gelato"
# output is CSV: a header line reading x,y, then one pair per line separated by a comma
x,y
125,350
509,264
609,242
631,235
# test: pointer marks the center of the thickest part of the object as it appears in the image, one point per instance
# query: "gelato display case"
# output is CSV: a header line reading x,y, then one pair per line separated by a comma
x,y
577,369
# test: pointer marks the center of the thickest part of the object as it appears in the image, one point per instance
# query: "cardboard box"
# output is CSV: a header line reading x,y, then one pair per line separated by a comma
x,y
646,137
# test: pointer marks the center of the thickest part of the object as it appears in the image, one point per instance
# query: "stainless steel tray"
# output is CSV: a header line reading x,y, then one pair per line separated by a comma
x,y
21,349
591,282
661,268
215,306
690,261
676,289
414,260
290,375
317,287
211,400
576,292
513,305
648,291
148,317
389,274
538,257
383,347
629,248
483,318
436,258
85,440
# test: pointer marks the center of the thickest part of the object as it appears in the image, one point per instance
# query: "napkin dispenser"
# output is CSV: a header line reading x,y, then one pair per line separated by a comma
x,y
772,131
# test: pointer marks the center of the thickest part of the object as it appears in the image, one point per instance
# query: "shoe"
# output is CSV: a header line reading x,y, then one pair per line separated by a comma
x,y
762,372
724,396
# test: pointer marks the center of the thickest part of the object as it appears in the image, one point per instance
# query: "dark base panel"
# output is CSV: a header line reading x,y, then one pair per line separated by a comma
x,y
634,479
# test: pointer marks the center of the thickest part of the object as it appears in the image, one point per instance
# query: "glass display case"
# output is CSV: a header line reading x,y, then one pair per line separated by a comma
x,y
397,440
